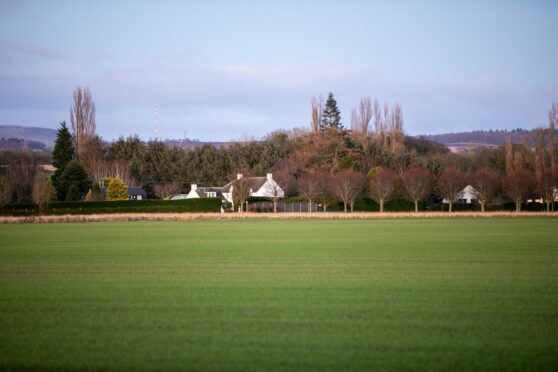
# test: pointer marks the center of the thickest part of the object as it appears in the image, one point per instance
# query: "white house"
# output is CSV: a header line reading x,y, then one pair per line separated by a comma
x,y
468,195
200,192
259,187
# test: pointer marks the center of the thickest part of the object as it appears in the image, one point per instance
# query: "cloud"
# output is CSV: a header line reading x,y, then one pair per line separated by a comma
x,y
13,49
223,101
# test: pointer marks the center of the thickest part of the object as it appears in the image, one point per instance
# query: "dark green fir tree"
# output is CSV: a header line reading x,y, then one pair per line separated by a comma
x,y
62,154
331,117
74,181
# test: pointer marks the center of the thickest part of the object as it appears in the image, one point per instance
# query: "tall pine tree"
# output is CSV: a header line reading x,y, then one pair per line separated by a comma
x,y
331,117
63,148
62,154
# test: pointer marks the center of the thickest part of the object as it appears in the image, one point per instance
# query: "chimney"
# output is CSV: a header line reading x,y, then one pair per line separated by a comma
x,y
270,177
239,176
194,187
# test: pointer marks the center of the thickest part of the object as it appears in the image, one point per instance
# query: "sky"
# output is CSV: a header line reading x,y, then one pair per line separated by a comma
x,y
221,70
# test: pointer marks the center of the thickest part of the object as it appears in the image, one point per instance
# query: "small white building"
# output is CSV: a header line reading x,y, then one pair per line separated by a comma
x,y
204,192
265,187
200,192
468,196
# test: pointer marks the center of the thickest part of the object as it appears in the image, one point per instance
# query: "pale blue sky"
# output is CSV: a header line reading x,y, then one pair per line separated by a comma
x,y
226,69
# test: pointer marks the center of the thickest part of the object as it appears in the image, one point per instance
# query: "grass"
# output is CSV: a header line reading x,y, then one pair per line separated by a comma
x,y
417,294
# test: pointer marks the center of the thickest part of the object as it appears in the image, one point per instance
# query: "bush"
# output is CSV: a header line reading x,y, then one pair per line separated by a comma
x,y
119,206
117,189
396,205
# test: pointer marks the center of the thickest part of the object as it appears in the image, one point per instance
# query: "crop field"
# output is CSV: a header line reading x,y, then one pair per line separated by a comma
x,y
398,294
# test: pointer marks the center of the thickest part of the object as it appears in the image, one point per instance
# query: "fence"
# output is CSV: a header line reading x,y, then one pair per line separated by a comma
x,y
283,207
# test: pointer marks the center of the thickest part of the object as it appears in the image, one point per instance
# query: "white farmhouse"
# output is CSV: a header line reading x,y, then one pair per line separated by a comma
x,y
468,195
265,187
200,192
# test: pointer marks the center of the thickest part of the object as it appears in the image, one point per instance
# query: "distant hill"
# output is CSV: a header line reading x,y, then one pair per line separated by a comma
x,y
485,137
42,135
190,144
11,136
15,144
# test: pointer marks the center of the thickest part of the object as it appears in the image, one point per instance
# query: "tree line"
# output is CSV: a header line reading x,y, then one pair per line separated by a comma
x,y
326,163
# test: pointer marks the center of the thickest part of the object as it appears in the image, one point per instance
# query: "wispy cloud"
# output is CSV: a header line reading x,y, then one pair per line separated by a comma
x,y
13,49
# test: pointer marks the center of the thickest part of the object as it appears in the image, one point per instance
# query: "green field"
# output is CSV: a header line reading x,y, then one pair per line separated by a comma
x,y
417,294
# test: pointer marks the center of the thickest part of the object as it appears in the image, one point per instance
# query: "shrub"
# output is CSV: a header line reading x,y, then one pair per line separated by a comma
x,y
117,189
119,206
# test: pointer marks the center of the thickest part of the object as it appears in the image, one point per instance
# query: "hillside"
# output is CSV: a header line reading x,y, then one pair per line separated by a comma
x,y
486,137
46,136
9,134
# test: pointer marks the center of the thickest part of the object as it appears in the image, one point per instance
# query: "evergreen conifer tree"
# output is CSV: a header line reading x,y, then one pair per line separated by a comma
x,y
331,117
62,154
63,149
74,182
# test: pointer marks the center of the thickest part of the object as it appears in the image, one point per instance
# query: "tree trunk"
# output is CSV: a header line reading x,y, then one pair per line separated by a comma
x,y
345,205
450,206
482,206
381,205
518,206
352,206
310,206
416,206
547,206
274,206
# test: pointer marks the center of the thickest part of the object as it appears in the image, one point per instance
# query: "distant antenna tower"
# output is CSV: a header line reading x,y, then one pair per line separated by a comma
x,y
156,120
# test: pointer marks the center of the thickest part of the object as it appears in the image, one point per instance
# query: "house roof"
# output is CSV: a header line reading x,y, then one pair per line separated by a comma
x,y
255,183
202,191
131,191
136,191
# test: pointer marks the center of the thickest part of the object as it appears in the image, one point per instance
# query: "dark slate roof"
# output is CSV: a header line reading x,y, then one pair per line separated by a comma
x,y
136,191
131,191
255,183
201,191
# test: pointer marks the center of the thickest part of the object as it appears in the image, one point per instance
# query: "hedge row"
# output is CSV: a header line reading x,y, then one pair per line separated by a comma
x,y
118,206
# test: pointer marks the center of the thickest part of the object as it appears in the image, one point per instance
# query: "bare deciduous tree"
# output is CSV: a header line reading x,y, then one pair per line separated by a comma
x,y
485,183
326,191
361,116
308,187
508,156
275,188
417,183
518,185
167,190
348,186
450,183
552,124
5,192
317,105
396,134
379,130
43,192
388,127
241,193
21,175
113,169
381,185
82,120
546,185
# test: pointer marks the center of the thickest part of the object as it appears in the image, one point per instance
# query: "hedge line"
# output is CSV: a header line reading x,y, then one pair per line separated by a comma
x,y
118,206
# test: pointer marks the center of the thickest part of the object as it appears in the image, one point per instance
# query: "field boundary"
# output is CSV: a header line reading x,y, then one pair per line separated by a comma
x,y
247,215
